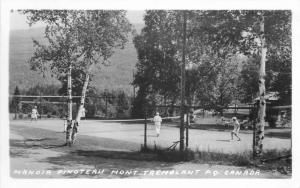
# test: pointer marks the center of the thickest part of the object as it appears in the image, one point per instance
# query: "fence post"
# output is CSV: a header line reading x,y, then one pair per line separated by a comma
x,y
41,108
187,128
145,128
106,106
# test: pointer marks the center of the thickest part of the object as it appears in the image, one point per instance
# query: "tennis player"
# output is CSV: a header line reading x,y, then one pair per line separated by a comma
x,y
157,122
34,113
236,129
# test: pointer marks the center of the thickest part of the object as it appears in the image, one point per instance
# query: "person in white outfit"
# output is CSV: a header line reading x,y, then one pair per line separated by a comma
x,y
34,113
236,129
157,122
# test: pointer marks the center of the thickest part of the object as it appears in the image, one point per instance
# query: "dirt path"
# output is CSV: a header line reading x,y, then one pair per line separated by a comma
x,y
40,153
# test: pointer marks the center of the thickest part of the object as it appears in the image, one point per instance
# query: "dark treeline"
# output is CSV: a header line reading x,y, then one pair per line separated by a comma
x,y
99,104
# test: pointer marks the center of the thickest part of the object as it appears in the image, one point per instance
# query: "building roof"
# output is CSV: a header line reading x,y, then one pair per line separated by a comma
x,y
270,96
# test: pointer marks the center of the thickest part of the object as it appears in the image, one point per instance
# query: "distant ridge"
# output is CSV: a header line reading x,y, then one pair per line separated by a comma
x,y
118,75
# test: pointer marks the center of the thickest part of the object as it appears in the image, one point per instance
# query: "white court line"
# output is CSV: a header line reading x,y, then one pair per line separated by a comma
x,y
149,119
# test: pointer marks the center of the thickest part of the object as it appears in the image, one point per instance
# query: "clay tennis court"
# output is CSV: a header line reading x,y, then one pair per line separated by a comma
x,y
131,134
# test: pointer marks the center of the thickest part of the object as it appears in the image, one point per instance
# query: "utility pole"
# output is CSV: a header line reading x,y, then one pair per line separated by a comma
x,y
182,106
259,130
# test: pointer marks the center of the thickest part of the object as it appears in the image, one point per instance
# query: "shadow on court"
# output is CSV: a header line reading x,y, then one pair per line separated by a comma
x,y
47,139
283,133
108,161
90,152
34,143
279,133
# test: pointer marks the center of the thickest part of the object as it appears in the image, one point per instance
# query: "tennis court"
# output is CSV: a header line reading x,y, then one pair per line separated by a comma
x,y
130,135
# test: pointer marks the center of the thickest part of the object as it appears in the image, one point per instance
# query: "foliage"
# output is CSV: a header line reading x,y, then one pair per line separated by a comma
x,y
41,90
157,67
122,105
241,30
118,102
222,57
110,104
159,52
14,104
158,70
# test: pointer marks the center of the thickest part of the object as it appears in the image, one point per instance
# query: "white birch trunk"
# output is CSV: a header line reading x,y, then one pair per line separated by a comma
x,y
259,131
69,121
81,107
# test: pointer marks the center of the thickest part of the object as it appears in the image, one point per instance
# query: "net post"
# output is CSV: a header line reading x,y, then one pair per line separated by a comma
x,y
41,111
105,97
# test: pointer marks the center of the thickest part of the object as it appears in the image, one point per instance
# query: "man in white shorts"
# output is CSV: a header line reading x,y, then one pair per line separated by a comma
x,y
236,129
157,122
34,113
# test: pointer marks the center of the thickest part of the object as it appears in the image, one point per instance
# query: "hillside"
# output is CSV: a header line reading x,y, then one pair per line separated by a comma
x,y
118,75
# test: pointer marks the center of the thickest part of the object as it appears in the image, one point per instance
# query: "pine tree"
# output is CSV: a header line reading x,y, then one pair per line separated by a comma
x,y
14,106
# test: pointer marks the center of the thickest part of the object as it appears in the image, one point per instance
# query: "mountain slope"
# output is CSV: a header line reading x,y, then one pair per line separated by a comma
x,y
118,75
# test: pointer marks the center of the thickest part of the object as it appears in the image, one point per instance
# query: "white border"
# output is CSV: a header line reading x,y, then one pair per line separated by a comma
x,y
6,5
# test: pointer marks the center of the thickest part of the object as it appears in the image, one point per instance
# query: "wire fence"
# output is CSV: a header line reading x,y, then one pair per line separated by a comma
x,y
108,107
104,107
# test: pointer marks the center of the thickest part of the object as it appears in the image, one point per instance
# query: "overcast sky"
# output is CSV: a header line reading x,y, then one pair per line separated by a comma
x,y
18,21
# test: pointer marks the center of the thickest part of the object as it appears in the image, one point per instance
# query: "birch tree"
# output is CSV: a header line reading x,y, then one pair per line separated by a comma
x,y
59,52
264,34
77,40
100,33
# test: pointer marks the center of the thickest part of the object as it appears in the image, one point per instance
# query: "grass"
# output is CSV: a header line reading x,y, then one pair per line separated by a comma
x,y
278,160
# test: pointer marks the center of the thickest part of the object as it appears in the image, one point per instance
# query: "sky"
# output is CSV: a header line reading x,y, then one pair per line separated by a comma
x,y
18,21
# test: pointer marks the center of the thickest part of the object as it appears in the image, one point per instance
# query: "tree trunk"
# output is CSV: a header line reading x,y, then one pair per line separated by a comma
x,y
259,134
182,107
69,121
188,121
193,99
81,107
